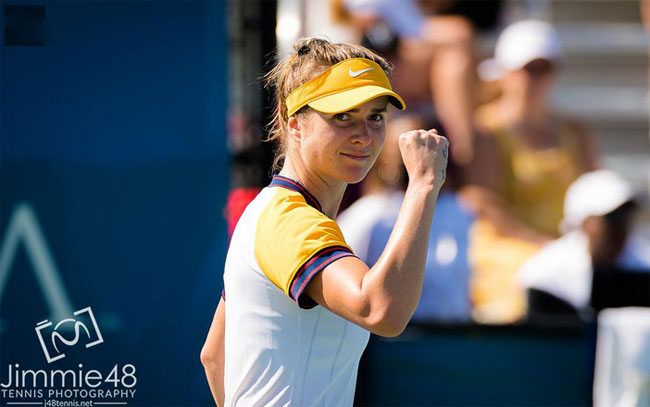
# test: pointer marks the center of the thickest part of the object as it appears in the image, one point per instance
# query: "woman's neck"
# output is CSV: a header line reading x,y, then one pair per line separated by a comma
x,y
525,112
328,192
530,121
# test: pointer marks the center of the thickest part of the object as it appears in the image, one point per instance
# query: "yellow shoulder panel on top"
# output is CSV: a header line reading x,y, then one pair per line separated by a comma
x,y
292,236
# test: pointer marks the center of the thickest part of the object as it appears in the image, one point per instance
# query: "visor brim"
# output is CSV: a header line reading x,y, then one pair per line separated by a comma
x,y
355,97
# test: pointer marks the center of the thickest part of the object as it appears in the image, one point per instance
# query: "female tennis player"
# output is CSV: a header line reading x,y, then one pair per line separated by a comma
x,y
298,306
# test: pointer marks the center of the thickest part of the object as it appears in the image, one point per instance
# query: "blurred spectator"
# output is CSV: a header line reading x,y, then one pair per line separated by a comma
x,y
433,55
598,216
368,223
527,157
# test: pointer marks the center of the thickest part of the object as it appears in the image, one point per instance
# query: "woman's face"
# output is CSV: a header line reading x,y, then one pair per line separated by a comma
x,y
531,82
343,146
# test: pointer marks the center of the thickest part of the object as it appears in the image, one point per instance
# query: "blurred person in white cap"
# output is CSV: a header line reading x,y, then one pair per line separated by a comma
x,y
530,154
598,215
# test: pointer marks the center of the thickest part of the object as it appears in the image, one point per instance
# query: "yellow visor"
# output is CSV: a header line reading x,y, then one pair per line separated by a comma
x,y
344,86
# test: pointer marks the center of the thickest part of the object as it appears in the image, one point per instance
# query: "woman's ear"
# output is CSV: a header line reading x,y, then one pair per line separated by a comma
x,y
294,128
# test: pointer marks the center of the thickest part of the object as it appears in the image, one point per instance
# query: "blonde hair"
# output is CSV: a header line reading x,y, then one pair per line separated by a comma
x,y
312,57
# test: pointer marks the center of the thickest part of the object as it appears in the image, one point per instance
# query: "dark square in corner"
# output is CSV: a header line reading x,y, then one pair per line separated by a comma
x,y
25,26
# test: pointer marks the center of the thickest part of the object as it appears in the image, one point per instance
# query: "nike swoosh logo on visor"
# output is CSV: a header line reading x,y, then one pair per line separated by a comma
x,y
357,73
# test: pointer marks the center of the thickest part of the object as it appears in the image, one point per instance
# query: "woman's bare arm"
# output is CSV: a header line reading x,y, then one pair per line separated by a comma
x,y
382,299
483,192
212,354
488,205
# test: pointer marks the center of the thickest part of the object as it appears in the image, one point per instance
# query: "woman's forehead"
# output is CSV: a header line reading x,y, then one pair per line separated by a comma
x,y
377,104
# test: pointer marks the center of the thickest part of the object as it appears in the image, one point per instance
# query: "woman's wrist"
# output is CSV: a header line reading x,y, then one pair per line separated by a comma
x,y
423,190
425,185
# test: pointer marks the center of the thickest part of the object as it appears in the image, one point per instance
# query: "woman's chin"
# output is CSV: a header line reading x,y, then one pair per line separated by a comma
x,y
354,177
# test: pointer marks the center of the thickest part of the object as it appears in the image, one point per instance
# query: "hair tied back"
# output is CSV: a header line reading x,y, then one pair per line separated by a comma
x,y
304,49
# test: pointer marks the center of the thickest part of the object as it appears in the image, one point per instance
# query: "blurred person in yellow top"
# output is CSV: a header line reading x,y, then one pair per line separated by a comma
x,y
530,155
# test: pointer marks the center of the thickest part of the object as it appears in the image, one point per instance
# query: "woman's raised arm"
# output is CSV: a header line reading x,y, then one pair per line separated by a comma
x,y
382,299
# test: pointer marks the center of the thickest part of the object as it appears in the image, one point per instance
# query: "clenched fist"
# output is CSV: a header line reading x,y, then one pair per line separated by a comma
x,y
425,156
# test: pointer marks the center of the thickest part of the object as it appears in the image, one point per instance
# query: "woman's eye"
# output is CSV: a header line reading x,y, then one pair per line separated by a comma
x,y
377,117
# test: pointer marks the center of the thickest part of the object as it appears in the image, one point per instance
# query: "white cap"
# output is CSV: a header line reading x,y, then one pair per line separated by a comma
x,y
519,44
595,193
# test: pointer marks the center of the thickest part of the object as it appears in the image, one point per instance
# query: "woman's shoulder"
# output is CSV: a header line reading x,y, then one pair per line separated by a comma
x,y
570,125
569,129
275,205
289,211
488,119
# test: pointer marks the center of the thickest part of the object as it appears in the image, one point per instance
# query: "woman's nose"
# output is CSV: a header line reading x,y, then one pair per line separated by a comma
x,y
361,134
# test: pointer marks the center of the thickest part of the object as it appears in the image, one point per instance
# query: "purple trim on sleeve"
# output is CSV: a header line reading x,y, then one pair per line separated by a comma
x,y
310,268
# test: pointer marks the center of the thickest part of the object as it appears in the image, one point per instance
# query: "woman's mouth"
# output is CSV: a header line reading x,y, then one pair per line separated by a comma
x,y
356,156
